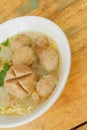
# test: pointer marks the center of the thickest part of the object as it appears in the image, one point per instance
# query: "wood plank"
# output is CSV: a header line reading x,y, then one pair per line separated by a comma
x,y
45,8
82,127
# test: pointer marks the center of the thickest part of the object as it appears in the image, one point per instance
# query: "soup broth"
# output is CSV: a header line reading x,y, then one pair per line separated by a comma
x,y
29,71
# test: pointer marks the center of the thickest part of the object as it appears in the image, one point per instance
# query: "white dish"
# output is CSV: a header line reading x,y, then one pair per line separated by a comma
x,y
39,24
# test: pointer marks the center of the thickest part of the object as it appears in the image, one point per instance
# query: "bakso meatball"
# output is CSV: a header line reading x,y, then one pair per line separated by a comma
x,y
28,83
14,89
40,44
46,85
20,81
24,55
49,59
19,41
17,71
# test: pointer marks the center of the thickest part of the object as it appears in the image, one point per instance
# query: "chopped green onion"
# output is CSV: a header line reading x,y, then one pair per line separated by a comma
x,y
5,43
3,73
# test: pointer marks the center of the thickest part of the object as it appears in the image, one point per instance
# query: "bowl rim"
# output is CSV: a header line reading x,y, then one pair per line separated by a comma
x,y
58,93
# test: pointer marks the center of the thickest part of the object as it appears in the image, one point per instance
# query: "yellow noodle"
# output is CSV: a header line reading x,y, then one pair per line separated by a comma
x,y
13,109
52,45
30,109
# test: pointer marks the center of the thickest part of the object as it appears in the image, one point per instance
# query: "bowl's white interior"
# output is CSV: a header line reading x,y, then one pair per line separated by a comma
x,y
33,23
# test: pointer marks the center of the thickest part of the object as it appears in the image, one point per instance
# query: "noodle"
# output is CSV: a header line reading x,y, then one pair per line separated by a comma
x,y
52,45
15,110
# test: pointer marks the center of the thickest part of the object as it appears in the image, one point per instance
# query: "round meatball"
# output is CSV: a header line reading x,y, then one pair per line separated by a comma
x,y
40,44
19,41
24,55
20,81
49,59
46,85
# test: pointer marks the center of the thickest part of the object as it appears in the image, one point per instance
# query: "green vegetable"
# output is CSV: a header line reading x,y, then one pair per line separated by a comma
x,y
3,73
5,43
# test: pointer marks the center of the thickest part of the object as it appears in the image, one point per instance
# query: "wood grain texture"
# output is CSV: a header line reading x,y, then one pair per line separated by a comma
x,y
71,15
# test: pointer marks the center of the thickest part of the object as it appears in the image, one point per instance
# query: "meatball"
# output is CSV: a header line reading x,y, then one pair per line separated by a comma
x,y
49,59
24,55
15,89
19,41
28,82
46,85
17,71
40,44
20,81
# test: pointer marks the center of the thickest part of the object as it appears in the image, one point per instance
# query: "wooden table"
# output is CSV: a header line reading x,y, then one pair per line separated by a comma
x,y
70,111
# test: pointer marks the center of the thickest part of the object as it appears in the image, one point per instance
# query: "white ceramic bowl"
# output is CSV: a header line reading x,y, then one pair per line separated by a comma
x,y
39,24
